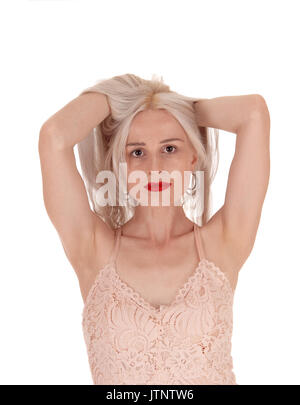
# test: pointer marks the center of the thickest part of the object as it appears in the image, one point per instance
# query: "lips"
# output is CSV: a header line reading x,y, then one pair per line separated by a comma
x,y
157,186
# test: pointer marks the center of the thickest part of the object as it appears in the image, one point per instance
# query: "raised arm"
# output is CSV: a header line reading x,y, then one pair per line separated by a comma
x,y
248,117
64,193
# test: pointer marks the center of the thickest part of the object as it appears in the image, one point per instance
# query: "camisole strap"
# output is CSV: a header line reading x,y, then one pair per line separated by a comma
x,y
198,239
116,245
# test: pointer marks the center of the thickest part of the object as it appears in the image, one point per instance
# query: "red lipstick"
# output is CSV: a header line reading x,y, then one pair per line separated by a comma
x,y
157,186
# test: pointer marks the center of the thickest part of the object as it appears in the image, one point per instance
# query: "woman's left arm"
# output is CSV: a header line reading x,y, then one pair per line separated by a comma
x,y
248,117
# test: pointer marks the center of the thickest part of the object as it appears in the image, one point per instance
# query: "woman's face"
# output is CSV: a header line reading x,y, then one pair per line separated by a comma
x,y
157,142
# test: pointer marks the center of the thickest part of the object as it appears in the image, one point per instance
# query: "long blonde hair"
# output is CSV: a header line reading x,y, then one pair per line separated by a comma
x,y
104,147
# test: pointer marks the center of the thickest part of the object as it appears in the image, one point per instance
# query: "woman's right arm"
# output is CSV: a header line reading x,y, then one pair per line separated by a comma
x,y
76,119
64,193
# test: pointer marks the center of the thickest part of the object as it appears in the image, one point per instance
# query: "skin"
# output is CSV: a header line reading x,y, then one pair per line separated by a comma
x,y
158,238
158,224
157,251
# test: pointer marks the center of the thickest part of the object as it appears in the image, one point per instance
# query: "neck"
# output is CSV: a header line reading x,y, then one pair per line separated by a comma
x,y
158,224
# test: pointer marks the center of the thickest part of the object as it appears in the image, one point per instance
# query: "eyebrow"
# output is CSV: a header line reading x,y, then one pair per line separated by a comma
x,y
143,143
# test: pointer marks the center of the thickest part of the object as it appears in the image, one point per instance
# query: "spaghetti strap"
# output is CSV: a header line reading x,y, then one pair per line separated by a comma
x,y
116,245
197,234
198,238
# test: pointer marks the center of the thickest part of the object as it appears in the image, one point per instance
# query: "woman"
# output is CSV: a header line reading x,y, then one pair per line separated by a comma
x,y
157,280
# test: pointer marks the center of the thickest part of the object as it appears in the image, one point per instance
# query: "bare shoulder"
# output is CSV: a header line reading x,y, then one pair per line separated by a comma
x,y
97,253
223,250
104,240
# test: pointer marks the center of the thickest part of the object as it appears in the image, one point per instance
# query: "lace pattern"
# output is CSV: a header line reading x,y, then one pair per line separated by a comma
x,y
188,341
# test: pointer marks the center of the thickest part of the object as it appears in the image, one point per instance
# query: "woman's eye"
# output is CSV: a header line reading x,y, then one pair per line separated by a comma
x,y
136,150
139,153
170,146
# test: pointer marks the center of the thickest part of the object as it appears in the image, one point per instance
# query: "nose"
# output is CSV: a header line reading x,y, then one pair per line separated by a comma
x,y
156,165
153,165
150,173
154,170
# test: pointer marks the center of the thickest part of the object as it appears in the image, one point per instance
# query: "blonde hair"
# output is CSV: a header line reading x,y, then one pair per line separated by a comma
x,y
104,147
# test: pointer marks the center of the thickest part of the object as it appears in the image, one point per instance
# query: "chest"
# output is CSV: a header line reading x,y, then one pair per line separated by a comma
x,y
156,274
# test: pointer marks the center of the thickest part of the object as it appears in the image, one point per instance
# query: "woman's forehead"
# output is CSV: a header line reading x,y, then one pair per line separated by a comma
x,y
158,123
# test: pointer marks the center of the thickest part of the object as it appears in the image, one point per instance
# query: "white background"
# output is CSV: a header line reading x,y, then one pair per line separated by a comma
x,y
50,52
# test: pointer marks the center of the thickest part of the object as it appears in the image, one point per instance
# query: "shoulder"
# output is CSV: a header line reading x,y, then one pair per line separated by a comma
x,y
104,240
224,250
96,254
97,250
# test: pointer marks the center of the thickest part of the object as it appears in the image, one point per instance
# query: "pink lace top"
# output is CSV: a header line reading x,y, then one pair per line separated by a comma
x,y
129,341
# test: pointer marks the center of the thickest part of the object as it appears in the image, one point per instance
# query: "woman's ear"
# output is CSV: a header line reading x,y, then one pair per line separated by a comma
x,y
194,162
